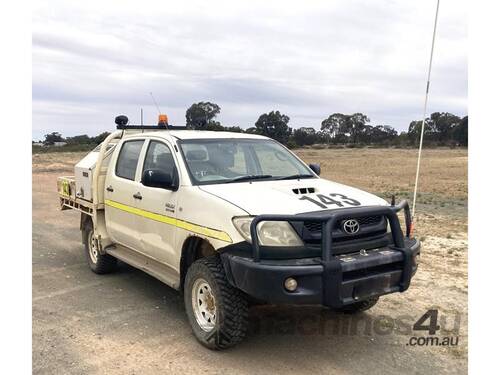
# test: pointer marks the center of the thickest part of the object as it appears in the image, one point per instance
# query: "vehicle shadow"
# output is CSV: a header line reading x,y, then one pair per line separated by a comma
x,y
299,337
270,321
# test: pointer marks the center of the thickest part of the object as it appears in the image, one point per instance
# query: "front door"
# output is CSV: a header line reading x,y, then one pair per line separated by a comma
x,y
157,222
120,194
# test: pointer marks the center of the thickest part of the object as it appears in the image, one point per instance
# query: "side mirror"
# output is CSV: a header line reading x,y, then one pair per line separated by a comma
x,y
315,168
158,179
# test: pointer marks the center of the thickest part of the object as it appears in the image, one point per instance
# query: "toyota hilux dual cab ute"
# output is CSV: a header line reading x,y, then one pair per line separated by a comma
x,y
228,218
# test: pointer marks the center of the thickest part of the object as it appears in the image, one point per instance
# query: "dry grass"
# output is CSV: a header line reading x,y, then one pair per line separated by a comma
x,y
63,162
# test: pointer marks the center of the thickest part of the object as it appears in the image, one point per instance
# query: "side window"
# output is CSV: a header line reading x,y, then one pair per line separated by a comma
x,y
128,159
159,157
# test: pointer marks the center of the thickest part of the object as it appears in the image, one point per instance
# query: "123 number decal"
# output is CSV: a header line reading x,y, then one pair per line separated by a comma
x,y
324,201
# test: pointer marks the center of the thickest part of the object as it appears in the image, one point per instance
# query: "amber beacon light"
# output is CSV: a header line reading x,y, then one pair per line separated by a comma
x,y
162,119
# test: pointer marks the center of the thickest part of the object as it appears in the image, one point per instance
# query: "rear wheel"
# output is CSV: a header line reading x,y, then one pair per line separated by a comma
x,y
217,312
357,307
99,263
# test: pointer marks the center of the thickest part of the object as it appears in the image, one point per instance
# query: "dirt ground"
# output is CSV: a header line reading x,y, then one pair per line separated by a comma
x,y
129,323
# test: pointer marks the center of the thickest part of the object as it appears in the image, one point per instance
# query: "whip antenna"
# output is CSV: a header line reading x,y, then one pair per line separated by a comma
x,y
425,110
154,101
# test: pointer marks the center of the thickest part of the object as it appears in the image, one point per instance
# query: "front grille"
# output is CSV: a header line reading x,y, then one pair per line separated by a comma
x,y
369,220
315,226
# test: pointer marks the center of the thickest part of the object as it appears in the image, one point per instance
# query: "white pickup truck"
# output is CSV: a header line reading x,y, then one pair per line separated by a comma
x,y
226,218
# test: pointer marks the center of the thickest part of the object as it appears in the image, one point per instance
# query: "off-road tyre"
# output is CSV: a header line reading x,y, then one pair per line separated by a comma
x,y
231,305
98,263
358,307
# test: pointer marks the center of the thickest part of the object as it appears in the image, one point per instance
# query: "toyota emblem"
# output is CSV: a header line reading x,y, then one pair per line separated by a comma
x,y
351,226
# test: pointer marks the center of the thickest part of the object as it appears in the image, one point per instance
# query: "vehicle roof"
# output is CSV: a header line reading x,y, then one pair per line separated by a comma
x,y
196,134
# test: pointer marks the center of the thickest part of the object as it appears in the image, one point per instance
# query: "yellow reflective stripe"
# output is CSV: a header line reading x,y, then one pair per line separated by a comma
x,y
213,233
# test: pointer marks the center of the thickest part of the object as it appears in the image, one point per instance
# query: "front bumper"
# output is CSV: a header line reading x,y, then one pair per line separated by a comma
x,y
341,281
330,280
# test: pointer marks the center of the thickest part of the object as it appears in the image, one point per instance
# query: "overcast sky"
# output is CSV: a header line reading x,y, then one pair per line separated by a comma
x,y
93,60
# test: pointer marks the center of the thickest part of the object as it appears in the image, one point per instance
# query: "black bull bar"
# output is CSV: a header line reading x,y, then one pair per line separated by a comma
x,y
332,266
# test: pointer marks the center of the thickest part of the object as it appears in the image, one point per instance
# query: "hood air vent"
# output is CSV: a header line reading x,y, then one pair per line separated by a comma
x,y
303,190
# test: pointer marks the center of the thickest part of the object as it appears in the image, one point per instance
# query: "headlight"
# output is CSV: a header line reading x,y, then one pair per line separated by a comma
x,y
270,233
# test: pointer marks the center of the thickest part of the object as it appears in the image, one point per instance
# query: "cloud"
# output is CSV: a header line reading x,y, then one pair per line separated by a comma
x,y
93,60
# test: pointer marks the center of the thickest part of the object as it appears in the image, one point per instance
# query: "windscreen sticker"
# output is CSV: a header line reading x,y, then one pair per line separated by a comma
x,y
324,201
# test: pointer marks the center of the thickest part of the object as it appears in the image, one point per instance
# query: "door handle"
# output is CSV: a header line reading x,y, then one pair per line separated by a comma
x,y
110,188
137,195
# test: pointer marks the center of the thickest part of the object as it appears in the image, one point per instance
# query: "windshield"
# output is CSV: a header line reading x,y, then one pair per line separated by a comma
x,y
214,161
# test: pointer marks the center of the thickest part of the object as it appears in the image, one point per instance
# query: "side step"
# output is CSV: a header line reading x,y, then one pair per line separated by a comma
x,y
158,270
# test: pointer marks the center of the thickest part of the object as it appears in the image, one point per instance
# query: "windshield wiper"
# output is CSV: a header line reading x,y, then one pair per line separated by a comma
x,y
296,176
250,177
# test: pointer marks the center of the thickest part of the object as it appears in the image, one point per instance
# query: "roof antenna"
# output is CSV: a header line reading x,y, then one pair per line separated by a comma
x,y
425,111
156,104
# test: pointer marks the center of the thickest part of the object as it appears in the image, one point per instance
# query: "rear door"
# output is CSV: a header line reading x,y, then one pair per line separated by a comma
x,y
121,192
157,223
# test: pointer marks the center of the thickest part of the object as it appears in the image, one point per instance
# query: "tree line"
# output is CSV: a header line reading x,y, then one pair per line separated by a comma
x,y
441,129
55,137
353,130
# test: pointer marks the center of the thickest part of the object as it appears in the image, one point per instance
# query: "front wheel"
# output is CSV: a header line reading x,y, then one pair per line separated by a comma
x,y
217,312
99,263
